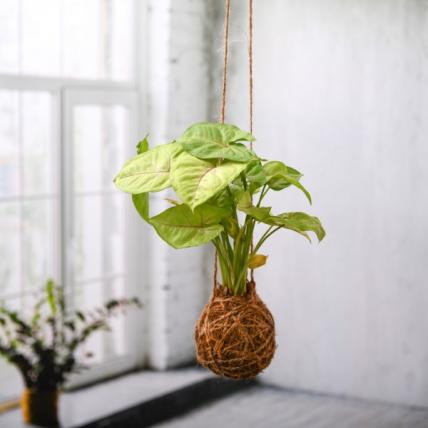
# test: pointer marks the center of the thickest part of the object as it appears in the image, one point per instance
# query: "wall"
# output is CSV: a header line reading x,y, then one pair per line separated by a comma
x,y
341,93
177,94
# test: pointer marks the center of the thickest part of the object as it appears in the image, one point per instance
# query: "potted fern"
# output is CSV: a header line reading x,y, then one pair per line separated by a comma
x,y
220,188
44,348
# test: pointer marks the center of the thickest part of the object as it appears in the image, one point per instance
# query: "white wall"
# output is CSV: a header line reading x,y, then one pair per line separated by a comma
x,y
341,92
178,91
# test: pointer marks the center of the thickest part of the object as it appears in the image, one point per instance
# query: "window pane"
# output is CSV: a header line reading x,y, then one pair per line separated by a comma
x,y
98,37
122,39
82,42
41,36
115,288
9,36
9,144
88,297
10,228
38,241
99,236
100,137
91,39
103,345
26,123
38,152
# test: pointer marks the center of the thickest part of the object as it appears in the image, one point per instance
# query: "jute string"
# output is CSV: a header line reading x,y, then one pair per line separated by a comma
x,y
224,93
250,86
223,102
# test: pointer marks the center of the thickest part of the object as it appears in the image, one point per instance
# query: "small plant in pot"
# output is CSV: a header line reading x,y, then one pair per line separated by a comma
x,y
221,186
44,348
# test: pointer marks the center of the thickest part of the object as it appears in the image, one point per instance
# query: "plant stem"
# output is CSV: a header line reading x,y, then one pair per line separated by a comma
x,y
263,193
244,181
269,232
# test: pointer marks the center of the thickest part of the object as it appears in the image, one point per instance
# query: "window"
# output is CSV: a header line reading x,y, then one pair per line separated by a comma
x,y
68,108
86,39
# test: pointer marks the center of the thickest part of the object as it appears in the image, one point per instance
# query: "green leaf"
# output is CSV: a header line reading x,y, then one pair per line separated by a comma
x,y
217,141
196,181
223,199
181,227
149,171
231,226
50,293
245,205
143,145
280,176
299,222
141,200
255,175
141,204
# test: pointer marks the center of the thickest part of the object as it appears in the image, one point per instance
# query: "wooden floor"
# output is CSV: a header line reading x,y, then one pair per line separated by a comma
x,y
268,407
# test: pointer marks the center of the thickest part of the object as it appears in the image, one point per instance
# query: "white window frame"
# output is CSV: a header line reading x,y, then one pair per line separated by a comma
x,y
67,92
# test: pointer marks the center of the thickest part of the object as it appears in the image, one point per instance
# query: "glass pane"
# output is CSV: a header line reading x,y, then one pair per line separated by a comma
x,y
10,228
91,39
113,235
99,236
100,138
38,153
122,40
115,342
82,41
41,36
38,242
13,303
87,237
98,39
88,297
9,36
9,143
103,345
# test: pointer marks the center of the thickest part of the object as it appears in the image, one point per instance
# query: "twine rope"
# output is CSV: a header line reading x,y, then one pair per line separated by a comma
x,y
224,94
250,87
223,103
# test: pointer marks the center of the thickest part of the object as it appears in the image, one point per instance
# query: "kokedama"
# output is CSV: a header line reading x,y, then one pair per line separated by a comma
x,y
221,185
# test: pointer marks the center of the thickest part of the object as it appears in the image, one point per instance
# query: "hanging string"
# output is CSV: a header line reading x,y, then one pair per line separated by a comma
x,y
223,100
224,92
250,86
225,60
250,64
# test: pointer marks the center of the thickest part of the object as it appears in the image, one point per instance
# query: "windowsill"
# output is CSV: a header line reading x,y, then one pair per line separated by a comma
x,y
110,397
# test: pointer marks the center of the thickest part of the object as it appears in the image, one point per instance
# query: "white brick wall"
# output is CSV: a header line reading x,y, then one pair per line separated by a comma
x,y
179,95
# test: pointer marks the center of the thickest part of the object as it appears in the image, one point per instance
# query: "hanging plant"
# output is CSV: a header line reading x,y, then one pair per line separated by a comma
x,y
221,186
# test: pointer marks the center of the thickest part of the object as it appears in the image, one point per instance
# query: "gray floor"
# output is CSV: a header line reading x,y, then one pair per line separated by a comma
x,y
268,407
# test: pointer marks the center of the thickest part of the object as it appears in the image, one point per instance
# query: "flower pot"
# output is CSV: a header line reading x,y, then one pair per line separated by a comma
x,y
235,335
40,407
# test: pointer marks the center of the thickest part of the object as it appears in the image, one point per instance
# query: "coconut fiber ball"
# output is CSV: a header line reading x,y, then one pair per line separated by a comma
x,y
235,335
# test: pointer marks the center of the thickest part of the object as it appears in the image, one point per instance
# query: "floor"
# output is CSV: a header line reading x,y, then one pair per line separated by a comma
x,y
269,407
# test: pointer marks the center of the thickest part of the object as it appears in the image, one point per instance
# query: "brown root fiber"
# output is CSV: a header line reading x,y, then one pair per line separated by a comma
x,y
235,335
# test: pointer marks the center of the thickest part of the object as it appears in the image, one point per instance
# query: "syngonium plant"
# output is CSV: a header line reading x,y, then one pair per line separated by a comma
x,y
221,185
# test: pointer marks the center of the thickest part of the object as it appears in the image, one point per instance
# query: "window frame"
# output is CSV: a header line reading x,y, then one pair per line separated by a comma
x,y
65,92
